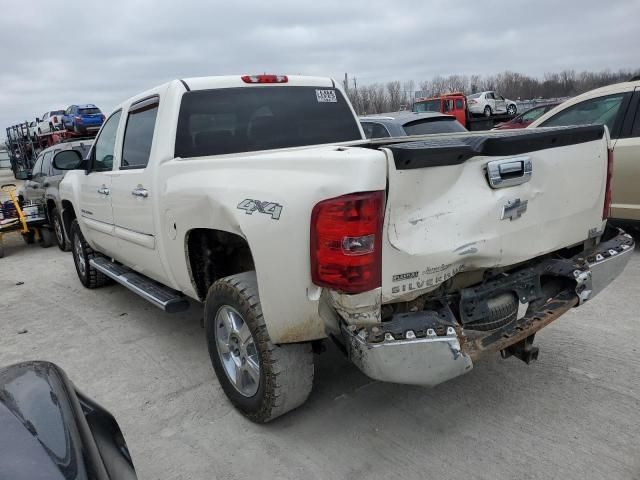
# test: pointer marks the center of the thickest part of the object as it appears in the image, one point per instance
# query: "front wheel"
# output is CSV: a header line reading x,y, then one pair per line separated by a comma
x,y
512,109
261,379
82,255
487,111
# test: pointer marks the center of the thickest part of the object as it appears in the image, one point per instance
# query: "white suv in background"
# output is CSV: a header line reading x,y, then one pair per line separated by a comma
x,y
50,121
490,103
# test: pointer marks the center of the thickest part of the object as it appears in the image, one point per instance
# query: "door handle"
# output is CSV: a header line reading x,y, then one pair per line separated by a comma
x,y
509,172
140,191
103,190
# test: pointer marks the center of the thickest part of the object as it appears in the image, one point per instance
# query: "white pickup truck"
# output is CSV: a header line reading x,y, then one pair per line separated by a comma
x,y
259,196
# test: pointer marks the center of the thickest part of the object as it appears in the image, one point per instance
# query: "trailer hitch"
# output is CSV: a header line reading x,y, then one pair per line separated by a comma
x,y
524,350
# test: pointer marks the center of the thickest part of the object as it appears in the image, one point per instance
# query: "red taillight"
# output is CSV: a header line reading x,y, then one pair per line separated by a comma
x,y
607,192
265,79
78,119
55,119
346,242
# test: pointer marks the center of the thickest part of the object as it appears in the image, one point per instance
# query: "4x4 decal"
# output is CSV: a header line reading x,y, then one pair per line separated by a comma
x,y
249,206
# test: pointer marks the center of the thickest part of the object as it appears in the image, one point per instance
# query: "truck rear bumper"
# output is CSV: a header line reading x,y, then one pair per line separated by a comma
x,y
430,347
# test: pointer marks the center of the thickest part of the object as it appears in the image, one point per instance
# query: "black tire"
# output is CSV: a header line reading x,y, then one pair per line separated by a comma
x,y
46,238
51,128
89,276
1,248
503,309
58,230
512,109
28,237
285,371
487,111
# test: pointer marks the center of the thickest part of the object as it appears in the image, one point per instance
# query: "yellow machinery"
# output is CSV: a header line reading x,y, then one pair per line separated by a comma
x,y
13,219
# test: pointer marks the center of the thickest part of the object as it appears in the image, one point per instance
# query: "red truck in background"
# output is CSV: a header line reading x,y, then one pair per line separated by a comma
x,y
455,104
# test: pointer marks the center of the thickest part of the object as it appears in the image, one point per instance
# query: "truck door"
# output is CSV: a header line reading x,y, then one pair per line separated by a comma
x,y
31,186
95,192
460,111
133,194
626,167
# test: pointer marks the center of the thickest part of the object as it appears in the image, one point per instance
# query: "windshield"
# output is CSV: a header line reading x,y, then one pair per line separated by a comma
x,y
57,112
427,106
234,120
433,125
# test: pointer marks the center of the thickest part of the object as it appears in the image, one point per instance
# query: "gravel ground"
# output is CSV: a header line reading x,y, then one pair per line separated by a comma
x,y
573,414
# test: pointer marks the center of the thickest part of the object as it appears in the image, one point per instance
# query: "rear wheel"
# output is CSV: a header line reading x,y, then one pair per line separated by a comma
x,y
512,109
261,379
58,230
82,255
46,238
487,111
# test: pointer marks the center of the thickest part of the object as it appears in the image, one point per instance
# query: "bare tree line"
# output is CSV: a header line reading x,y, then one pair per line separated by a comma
x,y
392,96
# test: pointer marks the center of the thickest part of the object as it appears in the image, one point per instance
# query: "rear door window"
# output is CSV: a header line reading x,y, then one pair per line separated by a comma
x,y
138,134
235,120
601,110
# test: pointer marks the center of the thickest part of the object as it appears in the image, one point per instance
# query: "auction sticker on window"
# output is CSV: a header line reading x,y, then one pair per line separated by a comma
x,y
326,96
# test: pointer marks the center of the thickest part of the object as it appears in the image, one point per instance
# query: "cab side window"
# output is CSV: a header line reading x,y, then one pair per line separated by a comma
x,y
138,134
105,145
601,110
46,164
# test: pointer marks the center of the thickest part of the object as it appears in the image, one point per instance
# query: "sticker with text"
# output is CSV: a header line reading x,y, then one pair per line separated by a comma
x,y
326,96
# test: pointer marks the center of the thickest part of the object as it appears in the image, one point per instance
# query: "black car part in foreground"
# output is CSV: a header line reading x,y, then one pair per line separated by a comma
x,y
48,429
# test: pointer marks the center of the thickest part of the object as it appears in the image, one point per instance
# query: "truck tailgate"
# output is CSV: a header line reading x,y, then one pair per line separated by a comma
x,y
443,216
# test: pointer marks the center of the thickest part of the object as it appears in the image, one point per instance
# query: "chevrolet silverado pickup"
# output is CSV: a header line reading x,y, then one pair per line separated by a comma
x,y
259,196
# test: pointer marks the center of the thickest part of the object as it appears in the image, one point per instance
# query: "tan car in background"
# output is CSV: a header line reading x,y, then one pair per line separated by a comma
x,y
618,107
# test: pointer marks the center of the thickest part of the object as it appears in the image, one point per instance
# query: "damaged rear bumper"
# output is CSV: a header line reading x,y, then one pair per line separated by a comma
x,y
432,346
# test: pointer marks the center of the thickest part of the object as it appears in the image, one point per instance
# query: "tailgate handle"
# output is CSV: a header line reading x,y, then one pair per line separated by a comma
x,y
509,172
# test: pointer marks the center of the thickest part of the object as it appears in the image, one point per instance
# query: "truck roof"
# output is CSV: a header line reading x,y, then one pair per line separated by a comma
x,y
229,81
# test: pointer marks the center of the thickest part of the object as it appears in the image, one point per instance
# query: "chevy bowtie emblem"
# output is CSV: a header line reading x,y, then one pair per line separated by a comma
x,y
514,209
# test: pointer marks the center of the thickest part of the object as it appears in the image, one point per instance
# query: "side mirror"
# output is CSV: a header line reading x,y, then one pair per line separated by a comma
x,y
23,175
519,120
37,120
67,160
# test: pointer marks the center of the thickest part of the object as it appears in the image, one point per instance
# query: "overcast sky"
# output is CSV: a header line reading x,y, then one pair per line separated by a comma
x,y
60,53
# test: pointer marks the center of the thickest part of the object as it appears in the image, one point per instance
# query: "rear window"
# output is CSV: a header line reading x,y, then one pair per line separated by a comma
x,y
58,112
428,106
235,120
433,125
88,111
475,95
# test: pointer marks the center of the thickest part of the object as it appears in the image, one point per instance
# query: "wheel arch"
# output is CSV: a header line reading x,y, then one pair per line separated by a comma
x,y
212,254
68,215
